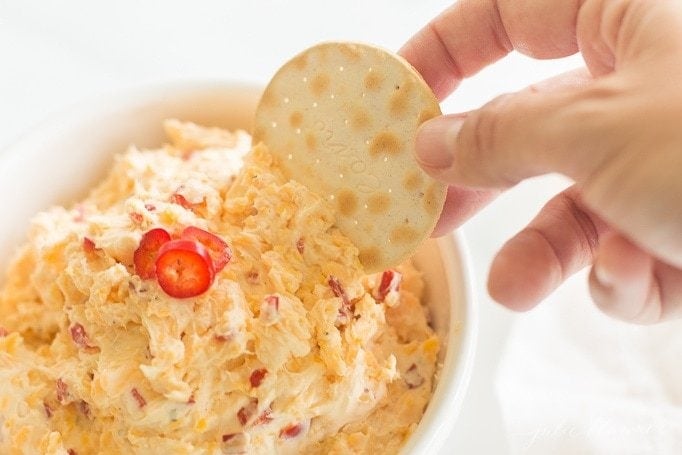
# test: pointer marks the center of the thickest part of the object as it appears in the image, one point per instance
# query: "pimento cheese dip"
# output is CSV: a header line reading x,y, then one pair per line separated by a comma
x,y
288,347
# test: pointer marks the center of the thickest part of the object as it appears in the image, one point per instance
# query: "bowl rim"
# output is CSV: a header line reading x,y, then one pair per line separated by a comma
x,y
439,418
454,376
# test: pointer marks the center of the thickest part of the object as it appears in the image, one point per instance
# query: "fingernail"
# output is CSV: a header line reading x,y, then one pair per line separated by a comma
x,y
603,276
435,141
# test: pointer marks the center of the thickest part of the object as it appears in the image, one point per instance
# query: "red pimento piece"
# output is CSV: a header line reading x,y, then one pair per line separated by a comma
x,y
141,402
290,431
80,213
145,255
390,281
257,376
264,417
222,338
269,309
80,337
48,409
88,245
191,399
227,437
253,277
184,268
179,199
62,391
245,413
137,218
150,207
273,302
217,247
300,245
84,408
338,290
71,452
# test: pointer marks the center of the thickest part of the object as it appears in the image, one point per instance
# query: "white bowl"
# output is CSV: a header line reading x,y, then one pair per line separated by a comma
x,y
61,159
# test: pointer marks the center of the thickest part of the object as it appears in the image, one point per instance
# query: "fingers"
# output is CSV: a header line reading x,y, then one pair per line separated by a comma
x,y
460,205
567,124
463,39
629,284
472,34
560,241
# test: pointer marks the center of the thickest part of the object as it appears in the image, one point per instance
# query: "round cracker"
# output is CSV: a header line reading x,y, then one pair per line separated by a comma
x,y
341,118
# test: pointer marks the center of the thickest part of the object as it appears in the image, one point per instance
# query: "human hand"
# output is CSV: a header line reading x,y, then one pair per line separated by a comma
x,y
615,129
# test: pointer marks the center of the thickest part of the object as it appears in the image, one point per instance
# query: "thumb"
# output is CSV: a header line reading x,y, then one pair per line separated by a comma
x,y
559,125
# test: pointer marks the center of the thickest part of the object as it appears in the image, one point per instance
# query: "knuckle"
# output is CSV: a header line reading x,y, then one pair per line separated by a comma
x,y
486,136
603,123
582,225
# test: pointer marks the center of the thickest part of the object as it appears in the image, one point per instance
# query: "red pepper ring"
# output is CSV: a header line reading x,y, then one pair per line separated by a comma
x,y
184,268
146,253
219,249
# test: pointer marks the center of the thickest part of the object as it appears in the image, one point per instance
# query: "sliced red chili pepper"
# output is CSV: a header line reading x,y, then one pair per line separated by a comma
x,y
145,255
48,409
219,249
184,268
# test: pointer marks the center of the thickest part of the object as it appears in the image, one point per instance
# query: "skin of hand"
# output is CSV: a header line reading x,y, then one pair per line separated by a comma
x,y
614,128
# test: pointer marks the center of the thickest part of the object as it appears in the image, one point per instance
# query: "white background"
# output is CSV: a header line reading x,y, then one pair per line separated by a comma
x,y
57,54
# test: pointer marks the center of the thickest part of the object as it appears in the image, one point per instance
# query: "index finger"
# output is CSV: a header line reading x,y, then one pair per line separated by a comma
x,y
472,34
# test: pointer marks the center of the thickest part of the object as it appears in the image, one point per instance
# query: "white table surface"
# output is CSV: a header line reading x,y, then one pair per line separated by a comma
x,y
57,54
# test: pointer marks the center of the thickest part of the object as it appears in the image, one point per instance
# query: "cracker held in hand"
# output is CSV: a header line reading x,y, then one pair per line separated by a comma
x,y
341,118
